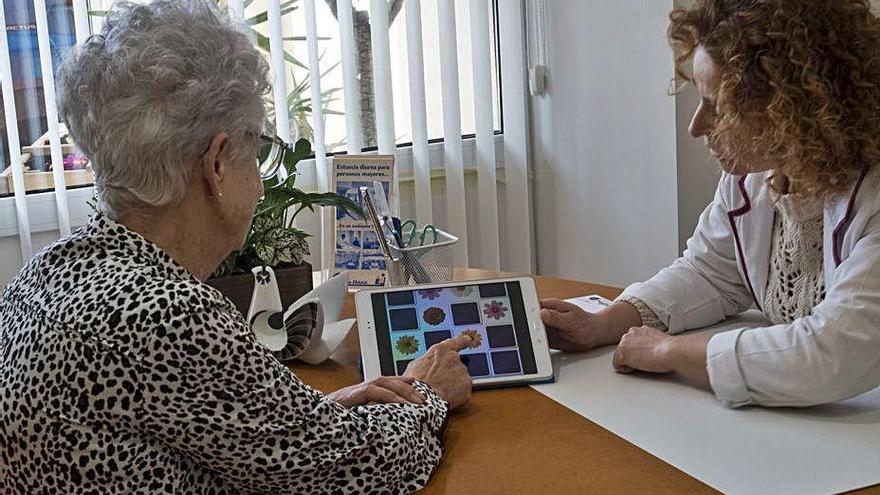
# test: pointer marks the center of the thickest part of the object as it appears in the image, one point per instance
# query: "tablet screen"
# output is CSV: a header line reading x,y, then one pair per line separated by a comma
x,y
408,322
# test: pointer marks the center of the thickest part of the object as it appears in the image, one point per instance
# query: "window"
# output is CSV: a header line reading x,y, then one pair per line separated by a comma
x,y
30,109
31,112
332,80
447,164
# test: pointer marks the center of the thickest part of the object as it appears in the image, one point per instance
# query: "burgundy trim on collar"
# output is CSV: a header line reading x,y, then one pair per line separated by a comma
x,y
746,207
836,238
731,216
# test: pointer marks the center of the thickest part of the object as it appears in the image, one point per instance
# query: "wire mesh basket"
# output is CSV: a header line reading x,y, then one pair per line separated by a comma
x,y
426,264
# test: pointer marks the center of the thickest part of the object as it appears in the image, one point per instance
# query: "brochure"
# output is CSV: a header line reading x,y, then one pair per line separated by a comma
x,y
357,250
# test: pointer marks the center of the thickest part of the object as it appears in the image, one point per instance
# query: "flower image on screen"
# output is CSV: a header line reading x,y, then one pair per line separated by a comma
x,y
491,314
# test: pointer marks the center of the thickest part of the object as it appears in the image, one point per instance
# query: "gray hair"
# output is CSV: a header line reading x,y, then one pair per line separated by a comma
x,y
144,98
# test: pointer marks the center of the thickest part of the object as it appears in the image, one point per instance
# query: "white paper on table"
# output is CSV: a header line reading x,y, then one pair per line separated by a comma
x,y
591,304
824,449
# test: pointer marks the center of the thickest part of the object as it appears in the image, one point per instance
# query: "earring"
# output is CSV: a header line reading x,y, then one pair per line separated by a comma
x,y
220,195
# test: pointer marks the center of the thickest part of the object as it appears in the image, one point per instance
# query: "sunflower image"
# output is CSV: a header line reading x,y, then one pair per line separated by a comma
x,y
476,338
434,316
464,291
407,345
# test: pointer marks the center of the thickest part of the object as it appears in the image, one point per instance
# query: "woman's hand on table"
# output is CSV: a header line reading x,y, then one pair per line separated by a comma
x,y
654,351
571,329
441,369
644,349
382,390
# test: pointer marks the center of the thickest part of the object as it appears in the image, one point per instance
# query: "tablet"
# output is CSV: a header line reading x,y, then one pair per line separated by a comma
x,y
399,324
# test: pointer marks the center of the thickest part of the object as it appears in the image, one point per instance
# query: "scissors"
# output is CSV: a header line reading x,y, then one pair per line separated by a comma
x,y
373,217
385,216
413,233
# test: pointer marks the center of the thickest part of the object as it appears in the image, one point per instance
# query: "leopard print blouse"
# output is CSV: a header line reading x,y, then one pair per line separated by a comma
x,y
121,373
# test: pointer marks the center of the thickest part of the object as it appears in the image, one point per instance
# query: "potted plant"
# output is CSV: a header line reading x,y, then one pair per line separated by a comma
x,y
273,241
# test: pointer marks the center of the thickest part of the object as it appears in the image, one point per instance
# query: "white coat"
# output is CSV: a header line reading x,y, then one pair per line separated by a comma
x,y
830,355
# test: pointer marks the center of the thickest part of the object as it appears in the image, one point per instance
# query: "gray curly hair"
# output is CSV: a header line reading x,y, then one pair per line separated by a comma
x,y
145,97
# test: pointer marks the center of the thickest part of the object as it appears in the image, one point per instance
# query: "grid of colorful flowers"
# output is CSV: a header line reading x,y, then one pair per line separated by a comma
x,y
419,319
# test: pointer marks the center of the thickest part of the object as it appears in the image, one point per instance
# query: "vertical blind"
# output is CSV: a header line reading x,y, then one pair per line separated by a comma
x,y
456,211
12,137
418,111
506,245
52,117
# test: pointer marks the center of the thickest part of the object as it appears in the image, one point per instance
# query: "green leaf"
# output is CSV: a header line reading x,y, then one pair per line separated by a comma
x,y
270,183
98,13
333,199
303,38
280,198
286,8
227,267
264,224
329,69
263,43
299,89
301,150
258,19
281,245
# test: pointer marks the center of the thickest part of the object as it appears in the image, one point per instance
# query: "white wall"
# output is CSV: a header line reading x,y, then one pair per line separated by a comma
x,y
10,259
10,253
604,143
620,183
698,173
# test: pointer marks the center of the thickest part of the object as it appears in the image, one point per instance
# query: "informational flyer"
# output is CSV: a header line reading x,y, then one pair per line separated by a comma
x,y
357,248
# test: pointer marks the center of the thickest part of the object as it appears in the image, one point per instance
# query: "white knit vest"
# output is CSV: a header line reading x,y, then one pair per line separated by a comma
x,y
796,283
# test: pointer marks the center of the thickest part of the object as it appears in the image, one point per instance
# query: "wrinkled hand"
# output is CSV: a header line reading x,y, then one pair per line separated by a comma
x,y
569,328
442,370
382,390
644,349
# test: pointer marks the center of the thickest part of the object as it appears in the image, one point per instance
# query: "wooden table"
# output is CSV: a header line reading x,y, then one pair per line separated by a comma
x,y
516,440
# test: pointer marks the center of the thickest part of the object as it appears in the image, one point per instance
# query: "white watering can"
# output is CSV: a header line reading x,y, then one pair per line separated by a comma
x,y
308,329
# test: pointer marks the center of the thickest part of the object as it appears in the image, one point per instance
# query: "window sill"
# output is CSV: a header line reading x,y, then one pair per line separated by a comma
x,y
43,212
44,218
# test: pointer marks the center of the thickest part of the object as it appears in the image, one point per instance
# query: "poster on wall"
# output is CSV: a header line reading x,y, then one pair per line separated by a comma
x,y
357,248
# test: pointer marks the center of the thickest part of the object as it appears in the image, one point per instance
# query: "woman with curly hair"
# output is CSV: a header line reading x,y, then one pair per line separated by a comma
x,y
790,107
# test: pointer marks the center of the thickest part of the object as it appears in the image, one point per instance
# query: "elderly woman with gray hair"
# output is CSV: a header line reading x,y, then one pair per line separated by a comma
x,y
120,371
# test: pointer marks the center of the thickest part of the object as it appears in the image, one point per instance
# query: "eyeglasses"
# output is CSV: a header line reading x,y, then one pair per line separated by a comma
x,y
271,155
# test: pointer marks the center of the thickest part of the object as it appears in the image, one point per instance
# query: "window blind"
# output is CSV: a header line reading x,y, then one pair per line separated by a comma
x,y
8,91
46,67
497,211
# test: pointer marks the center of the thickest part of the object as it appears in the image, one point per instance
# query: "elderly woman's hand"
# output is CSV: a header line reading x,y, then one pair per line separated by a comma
x,y
382,390
442,370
